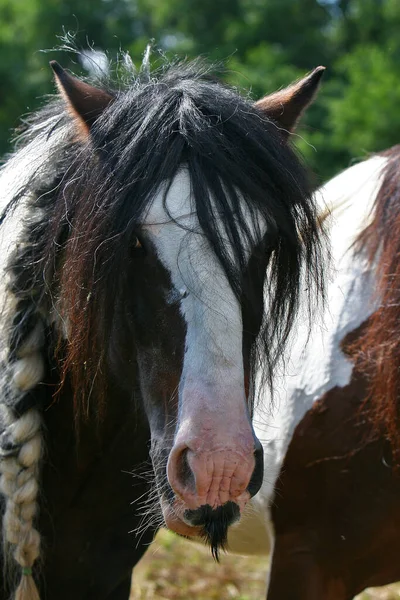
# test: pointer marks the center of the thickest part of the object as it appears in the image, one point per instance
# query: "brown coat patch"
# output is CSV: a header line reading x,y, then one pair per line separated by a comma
x,y
337,502
377,351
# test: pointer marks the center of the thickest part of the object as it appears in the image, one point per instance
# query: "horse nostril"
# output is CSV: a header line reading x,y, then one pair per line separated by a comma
x,y
179,473
258,473
183,470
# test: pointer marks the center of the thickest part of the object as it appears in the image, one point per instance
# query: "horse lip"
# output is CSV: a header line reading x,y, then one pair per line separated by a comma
x,y
178,523
176,517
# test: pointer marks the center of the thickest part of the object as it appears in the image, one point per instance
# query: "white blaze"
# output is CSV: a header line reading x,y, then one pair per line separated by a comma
x,y
208,304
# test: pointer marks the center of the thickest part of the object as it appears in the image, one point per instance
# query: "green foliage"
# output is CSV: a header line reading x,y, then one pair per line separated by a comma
x,y
265,44
365,117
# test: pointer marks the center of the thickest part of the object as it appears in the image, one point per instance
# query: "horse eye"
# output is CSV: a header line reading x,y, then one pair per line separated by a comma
x,y
137,246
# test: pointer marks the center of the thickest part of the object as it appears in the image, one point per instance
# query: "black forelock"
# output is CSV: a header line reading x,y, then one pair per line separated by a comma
x,y
236,158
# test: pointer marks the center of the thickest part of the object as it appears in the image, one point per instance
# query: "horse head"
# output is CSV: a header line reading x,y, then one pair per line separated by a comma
x,y
204,201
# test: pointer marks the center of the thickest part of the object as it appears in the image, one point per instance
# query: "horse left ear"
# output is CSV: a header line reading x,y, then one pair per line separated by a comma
x,y
84,101
286,106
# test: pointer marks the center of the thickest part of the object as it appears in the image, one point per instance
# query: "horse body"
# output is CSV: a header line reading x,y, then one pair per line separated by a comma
x,y
315,362
331,481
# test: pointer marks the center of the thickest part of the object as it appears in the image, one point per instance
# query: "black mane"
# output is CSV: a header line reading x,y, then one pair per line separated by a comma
x,y
93,195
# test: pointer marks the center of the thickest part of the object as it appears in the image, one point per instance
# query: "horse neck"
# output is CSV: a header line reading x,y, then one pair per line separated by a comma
x,y
314,362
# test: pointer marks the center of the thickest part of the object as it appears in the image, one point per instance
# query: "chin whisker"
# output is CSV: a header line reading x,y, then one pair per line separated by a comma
x,y
214,523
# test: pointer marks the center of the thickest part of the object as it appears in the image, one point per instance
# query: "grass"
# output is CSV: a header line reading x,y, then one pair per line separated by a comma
x,y
389,592
176,569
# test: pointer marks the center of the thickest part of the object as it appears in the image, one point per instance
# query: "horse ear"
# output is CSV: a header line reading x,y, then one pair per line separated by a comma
x,y
84,101
286,106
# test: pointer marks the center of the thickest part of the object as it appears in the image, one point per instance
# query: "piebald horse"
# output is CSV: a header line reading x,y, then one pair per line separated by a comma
x,y
329,506
155,241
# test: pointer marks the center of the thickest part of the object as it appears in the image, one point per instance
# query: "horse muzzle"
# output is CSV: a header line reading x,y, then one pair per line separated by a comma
x,y
211,489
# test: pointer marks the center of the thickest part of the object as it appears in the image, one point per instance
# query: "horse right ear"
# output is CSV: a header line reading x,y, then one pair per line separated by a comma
x,y
286,106
85,102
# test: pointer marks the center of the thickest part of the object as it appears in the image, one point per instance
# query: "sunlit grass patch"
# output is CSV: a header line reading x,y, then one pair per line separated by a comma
x,y
176,569
389,592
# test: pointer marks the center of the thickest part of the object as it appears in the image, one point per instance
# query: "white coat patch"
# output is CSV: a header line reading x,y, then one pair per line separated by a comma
x,y
315,367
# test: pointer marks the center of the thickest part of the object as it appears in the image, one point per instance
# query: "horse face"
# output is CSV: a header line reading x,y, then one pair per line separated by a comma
x,y
193,358
188,333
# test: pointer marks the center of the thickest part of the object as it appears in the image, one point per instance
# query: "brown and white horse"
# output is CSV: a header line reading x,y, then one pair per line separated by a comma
x,y
141,226
331,446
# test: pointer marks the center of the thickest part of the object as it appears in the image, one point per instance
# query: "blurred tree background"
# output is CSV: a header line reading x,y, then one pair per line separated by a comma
x,y
265,44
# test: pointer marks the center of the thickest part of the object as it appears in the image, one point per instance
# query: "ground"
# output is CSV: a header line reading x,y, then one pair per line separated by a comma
x,y
175,569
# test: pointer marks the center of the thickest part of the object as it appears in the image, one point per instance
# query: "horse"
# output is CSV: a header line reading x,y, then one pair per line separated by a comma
x,y
156,234
329,506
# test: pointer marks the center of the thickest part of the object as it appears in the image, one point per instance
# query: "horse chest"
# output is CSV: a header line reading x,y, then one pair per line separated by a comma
x,y
337,497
